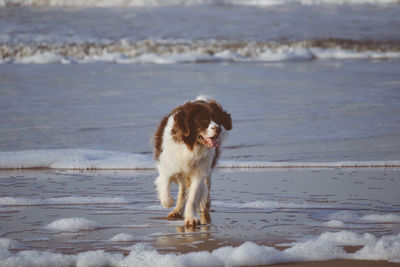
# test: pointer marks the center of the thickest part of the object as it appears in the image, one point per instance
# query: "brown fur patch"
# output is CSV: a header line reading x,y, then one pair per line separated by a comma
x,y
216,157
158,138
189,120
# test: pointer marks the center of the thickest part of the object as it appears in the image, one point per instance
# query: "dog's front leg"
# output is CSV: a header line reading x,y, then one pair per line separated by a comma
x,y
205,217
176,213
208,184
197,191
163,183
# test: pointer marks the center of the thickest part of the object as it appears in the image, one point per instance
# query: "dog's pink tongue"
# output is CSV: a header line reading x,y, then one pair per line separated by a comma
x,y
213,142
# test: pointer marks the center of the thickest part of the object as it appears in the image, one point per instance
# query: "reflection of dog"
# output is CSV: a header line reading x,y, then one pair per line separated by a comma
x,y
186,149
188,239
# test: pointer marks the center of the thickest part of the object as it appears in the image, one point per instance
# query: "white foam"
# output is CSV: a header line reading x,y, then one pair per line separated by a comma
x,y
349,216
74,159
334,224
327,246
345,215
32,258
286,53
9,243
194,57
263,205
387,248
155,207
347,238
186,51
84,159
42,58
73,200
97,258
72,225
122,237
382,218
250,253
351,54
143,3
339,164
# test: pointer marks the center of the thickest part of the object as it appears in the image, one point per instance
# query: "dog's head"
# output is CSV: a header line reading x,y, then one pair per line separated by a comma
x,y
201,122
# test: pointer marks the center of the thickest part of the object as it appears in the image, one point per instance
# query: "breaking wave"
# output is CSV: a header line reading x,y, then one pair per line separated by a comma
x,y
87,159
172,52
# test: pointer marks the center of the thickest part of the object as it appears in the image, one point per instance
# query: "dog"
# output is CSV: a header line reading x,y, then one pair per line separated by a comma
x,y
186,148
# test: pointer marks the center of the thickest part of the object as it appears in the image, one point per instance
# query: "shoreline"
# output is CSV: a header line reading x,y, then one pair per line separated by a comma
x,y
338,263
92,159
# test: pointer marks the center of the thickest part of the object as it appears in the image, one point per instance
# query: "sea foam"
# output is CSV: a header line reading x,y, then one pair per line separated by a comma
x,y
72,225
327,246
86,159
74,159
174,52
264,205
122,237
382,218
351,217
72,200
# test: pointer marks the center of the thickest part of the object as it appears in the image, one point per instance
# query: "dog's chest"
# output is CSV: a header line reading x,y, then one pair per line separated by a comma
x,y
178,154
183,156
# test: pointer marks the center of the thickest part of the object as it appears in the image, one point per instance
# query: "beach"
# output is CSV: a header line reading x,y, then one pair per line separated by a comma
x,y
308,176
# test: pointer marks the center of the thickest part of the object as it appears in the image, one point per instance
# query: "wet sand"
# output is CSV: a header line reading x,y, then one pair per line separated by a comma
x,y
337,263
276,208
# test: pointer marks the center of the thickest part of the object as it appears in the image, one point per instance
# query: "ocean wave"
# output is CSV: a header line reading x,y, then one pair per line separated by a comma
x,y
155,3
88,159
74,159
172,52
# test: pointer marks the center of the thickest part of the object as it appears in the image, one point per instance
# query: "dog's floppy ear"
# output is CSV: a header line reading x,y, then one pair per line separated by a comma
x,y
223,117
227,121
181,118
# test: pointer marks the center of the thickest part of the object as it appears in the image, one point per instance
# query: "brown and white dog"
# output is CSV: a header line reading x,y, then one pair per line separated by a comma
x,y
187,147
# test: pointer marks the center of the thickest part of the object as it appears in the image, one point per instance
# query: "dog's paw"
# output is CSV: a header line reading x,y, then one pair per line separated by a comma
x,y
174,215
205,217
208,203
167,203
192,222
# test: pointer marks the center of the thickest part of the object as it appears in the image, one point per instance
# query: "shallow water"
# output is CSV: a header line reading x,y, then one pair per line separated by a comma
x,y
271,207
308,83
319,111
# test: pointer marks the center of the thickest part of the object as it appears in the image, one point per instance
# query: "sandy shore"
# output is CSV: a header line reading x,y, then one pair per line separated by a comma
x,y
337,263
